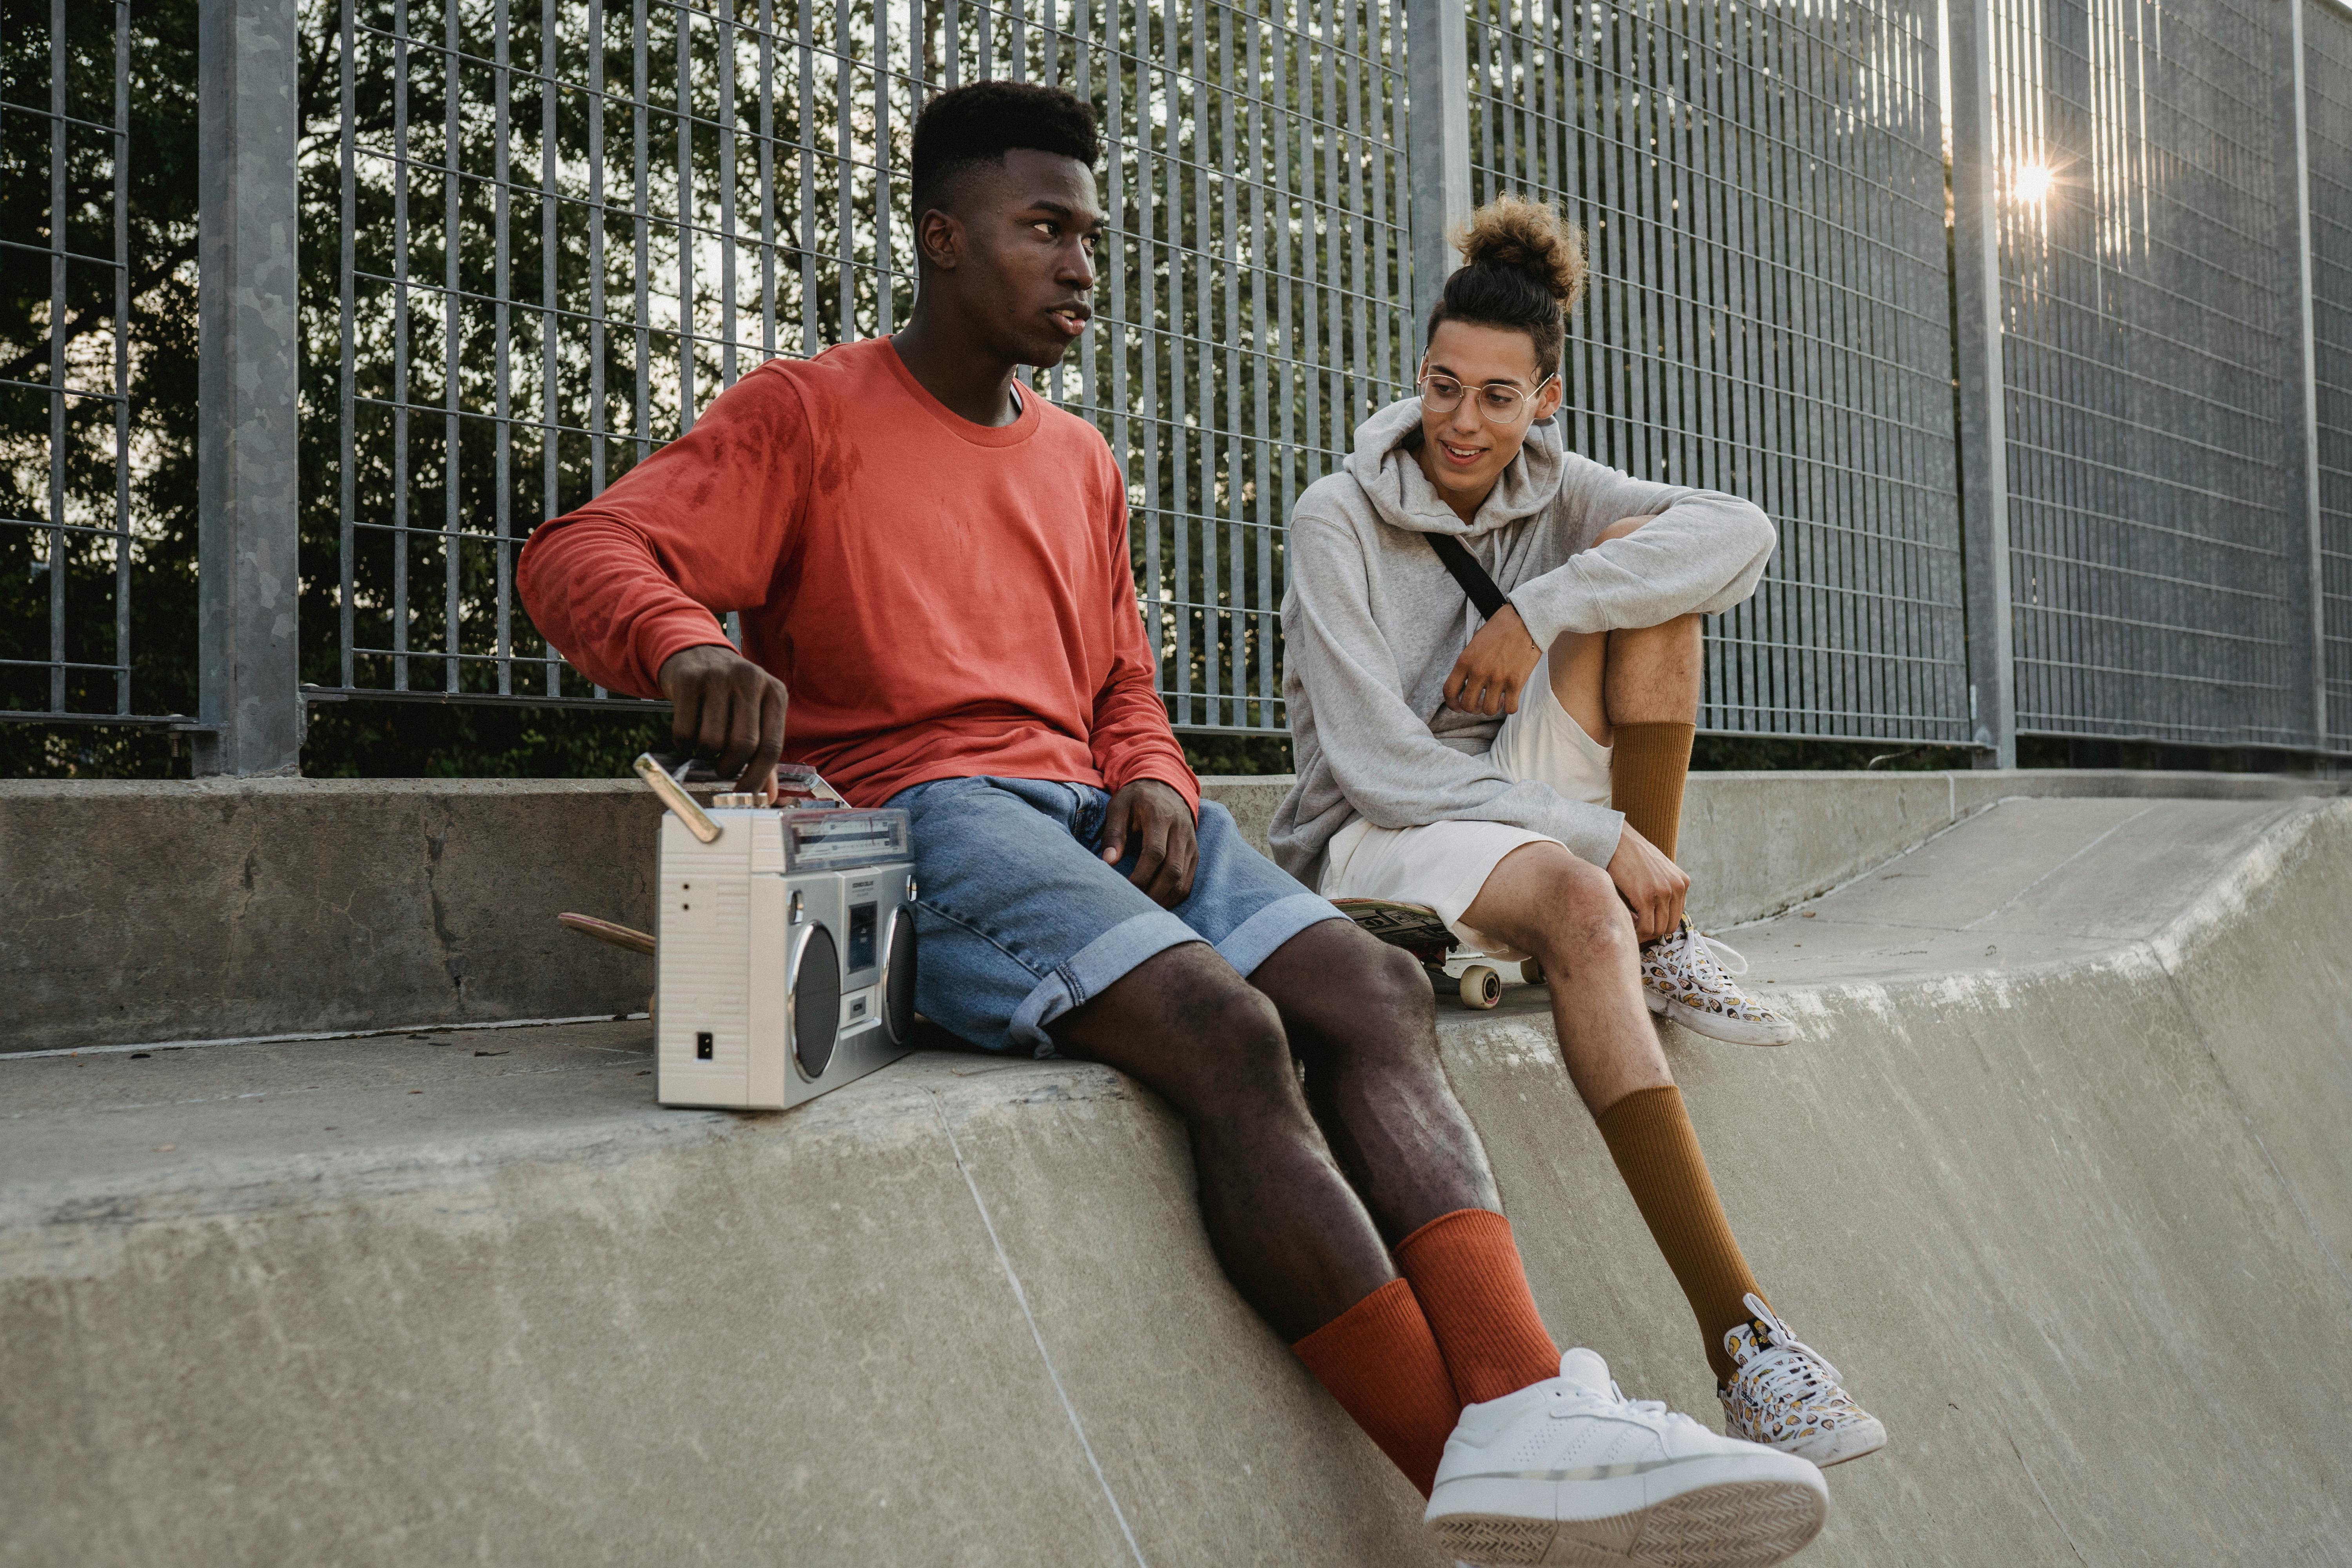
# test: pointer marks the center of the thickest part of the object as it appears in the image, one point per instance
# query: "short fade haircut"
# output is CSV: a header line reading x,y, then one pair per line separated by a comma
x,y
981,122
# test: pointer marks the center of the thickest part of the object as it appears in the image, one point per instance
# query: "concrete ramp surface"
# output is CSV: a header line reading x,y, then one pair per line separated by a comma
x,y
2058,1174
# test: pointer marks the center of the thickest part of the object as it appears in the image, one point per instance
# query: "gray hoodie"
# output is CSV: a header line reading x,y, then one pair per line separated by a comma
x,y
1372,622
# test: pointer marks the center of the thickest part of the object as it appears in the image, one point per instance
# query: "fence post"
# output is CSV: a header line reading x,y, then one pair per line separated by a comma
x,y
2306,574
248,530
1984,437
1437,144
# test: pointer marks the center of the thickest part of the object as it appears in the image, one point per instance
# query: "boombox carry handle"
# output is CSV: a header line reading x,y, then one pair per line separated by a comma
x,y
673,796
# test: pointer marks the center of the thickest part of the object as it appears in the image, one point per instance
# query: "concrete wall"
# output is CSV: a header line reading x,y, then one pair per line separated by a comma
x,y
144,911
2075,1225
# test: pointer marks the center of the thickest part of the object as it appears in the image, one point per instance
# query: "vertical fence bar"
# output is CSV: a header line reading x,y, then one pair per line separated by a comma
x,y
724,26
2307,618
884,304
683,120
641,424
596,219
767,179
1984,441
806,129
452,341
2327,128
348,568
399,328
118,149
550,406
844,169
501,319
1437,77
248,336
59,566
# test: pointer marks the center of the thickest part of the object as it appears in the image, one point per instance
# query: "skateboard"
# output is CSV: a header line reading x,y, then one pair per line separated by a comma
x,y
1472,978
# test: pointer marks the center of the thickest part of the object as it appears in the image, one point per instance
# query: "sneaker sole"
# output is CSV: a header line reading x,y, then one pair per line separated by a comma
x,y
1716,1027
1748,1522
1855,1440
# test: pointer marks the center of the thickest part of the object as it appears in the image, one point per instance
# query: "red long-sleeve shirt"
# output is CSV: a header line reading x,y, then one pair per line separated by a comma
x,y
939,598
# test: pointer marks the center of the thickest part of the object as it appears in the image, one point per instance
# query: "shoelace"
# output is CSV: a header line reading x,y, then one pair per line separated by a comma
x,y
1704,954
1615,1400
1785,1359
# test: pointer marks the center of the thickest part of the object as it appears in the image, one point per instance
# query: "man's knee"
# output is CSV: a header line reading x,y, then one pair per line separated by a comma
x,y
1581,914
1335,984
1226,1044
1391,1021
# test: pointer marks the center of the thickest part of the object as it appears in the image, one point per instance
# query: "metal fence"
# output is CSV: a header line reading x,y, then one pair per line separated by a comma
x,y
1763,192
2327,96
563,227
67,546
2156,544
1998,314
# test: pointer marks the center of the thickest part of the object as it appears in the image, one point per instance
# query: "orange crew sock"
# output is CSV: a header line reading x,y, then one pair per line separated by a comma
x,y
1648,764
1381,1362
1649,1134
1465,1269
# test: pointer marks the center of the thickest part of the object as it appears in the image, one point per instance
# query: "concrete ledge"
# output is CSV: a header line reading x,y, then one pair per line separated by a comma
x,y
2073,1215
148,911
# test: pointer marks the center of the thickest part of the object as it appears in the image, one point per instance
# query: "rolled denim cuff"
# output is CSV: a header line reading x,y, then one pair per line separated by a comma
x,y
1254,941
1095,967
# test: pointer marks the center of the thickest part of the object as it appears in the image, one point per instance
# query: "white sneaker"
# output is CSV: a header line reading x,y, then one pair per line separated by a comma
x,y
1786,1395
1683,976
1570,1471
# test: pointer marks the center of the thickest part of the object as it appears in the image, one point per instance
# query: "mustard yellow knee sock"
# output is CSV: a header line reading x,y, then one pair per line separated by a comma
x,y
1648,766
1650,1136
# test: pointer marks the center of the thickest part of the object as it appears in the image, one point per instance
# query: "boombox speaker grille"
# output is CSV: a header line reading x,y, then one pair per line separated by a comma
x,y
816,1003
899,979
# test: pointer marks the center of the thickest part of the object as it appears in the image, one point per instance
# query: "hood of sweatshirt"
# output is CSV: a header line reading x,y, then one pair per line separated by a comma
x,y
1391,476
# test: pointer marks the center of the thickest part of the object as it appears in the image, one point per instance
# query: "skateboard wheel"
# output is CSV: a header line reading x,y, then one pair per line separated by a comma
x,y
1531,973
1481,987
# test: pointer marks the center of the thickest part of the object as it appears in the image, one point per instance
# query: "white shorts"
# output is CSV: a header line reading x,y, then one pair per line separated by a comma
x,y
1444,864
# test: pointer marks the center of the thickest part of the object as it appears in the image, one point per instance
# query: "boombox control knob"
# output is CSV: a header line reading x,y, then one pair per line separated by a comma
x,y
910,887
795,916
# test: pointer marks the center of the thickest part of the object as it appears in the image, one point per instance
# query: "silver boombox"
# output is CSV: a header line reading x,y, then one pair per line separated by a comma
x,y
787,944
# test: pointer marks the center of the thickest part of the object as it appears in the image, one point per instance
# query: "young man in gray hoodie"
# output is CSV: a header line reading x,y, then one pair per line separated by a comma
x,y
1522,774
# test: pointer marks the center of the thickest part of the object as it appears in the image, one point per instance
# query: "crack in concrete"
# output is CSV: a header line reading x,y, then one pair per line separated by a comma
x,y
1035,1334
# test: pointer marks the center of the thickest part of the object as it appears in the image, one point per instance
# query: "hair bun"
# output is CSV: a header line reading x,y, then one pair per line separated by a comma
x,y
1526,237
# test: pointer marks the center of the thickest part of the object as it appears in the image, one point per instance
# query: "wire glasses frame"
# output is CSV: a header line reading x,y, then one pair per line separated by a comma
x,y
1498,402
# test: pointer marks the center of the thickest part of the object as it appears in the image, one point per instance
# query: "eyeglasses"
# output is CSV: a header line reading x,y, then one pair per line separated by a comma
x,y
1498,401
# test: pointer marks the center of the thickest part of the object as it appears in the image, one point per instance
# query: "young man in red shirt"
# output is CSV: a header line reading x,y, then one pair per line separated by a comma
x,y
931,565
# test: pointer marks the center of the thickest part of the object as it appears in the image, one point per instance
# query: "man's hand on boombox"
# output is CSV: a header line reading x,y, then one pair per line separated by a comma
x,y
729,709
1154,818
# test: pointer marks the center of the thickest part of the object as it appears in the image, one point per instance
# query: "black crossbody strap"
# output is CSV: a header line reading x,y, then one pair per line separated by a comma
x,y
1468,573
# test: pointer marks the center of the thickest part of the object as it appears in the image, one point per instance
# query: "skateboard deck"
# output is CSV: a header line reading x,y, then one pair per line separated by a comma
x,y
1413,927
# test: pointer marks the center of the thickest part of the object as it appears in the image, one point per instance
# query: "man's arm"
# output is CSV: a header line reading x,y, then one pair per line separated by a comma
x,y
1155,800
1700,554
1381,753
630,586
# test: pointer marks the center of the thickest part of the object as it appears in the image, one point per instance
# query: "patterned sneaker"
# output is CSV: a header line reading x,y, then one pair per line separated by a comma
x,y
1786,1396
1683,976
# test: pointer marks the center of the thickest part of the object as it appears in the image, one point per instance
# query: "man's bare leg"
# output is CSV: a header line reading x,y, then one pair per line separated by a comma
x,y
1290,1233
1649,675
1293,1236
1362,1022
1544,900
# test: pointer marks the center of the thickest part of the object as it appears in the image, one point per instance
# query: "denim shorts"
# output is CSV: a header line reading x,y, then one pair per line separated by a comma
x,y
1020,920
